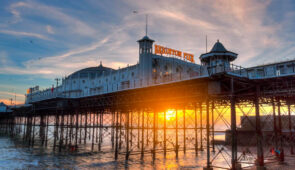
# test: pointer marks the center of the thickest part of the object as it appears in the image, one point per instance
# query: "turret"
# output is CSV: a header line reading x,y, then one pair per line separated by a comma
x,y
218,59
145,57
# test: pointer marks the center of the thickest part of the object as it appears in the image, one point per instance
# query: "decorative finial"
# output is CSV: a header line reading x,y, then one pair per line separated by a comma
x,y
100,63
146,24
217,40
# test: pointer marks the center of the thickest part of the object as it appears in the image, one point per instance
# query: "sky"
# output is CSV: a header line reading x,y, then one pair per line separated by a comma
x,y
42,40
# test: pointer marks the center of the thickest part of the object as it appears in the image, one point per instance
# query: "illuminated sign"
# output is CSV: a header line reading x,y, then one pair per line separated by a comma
x,y
168,51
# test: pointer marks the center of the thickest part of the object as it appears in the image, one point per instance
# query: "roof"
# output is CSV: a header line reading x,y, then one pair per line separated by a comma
x,y
219,50
99,69
218,47
145,38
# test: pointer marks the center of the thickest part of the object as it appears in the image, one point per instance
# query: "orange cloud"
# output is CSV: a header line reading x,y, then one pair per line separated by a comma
x,y
8,102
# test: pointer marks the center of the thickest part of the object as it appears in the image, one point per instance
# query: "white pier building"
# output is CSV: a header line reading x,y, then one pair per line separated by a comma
x,y
154,69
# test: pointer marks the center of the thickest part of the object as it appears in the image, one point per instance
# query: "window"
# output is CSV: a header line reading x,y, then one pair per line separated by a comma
x,y
123,76
132,74
83,81
114,77
92,75
74,76
83,75
106,80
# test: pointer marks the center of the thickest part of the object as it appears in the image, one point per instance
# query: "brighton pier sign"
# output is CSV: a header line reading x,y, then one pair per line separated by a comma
x,y
168,51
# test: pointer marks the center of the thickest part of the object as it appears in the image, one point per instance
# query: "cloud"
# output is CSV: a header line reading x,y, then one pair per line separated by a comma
x,y
6,96
54,65
15,12
25,34
51,12
244,27
3,58
181,26
11,94
8,102
49,29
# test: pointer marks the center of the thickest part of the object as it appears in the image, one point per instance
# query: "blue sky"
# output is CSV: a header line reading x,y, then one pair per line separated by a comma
x,y
42,40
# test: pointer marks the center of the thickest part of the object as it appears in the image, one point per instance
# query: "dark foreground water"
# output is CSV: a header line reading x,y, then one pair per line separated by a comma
x,y
13,155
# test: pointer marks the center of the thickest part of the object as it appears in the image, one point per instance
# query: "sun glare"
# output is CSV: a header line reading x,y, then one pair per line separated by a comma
x,y
170,115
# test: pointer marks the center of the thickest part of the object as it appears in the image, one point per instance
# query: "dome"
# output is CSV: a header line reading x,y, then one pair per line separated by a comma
x,y
99,70
218,47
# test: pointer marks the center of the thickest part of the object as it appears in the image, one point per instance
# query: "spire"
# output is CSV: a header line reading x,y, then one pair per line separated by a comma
x,y
218,47
146,24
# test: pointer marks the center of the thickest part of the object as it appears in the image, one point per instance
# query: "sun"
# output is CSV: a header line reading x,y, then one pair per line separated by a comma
x,y
170,114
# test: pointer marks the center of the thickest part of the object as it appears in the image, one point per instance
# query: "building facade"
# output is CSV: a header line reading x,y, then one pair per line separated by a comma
x,y
154,69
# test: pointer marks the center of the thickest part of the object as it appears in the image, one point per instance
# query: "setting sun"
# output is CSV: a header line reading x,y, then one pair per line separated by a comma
x,y
170,115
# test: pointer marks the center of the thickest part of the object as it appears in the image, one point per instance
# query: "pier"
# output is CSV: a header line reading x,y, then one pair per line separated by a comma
x,y
172,117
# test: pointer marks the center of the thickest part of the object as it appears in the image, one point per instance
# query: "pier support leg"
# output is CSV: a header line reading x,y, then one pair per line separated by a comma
x,y
280,123
184,134
77,129
212,126
113,129
85,128
117,131
196,130
71,128
33,133
100,130
97,117
259,137
120,128
290,128
127,136
142,134
176,134
55,131
275,129
61,132
67,130
131,127
208,167
93,120
81,123
165,134
138,129
233,128
47,124
201,126
154,135
42,129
